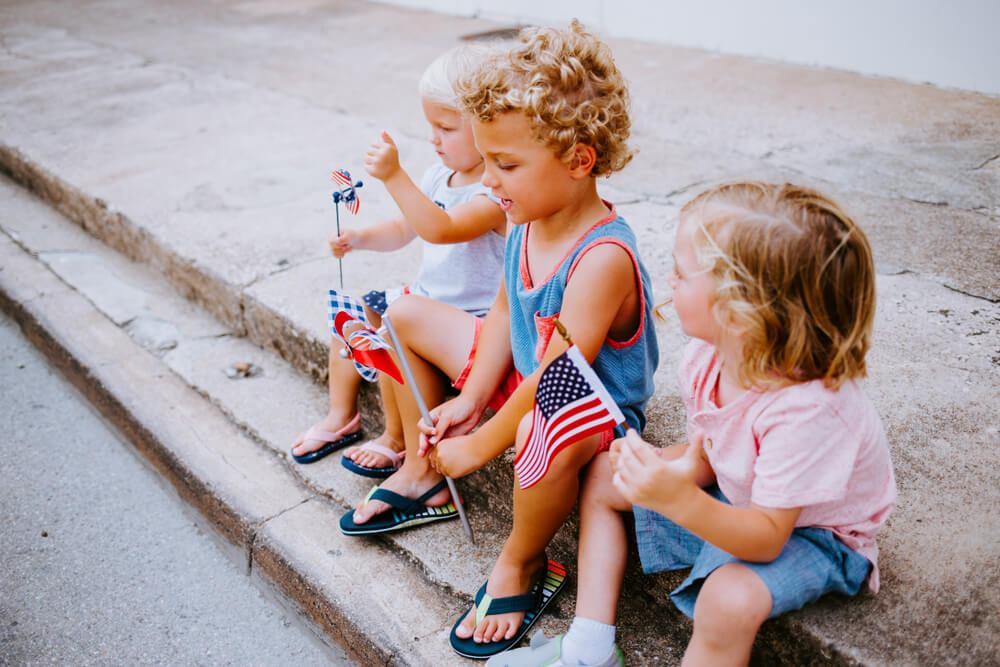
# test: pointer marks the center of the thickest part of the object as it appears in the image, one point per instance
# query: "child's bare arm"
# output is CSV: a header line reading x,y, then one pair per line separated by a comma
x,y
431,222
671,488
602,283
384,236
601,297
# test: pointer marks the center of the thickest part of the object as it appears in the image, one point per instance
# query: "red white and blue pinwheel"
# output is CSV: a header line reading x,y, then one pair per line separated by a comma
x,y
363,345
347,192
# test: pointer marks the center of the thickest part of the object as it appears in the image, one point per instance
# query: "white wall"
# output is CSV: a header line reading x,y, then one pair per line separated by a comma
x,y
954,44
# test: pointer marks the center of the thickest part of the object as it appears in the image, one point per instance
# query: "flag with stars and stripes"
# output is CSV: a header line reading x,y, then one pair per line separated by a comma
x,y
342,178
571,403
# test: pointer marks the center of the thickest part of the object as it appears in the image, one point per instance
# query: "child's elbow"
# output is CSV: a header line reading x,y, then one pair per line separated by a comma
x,y
762,552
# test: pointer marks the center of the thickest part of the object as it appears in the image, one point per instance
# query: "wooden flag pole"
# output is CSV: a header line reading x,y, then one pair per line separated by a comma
x,y
562,331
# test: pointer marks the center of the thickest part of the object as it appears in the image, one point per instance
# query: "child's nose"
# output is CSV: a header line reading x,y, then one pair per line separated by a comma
x,y
488,179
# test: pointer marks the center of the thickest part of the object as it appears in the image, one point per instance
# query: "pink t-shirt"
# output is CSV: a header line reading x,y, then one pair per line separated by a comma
x,y
802,445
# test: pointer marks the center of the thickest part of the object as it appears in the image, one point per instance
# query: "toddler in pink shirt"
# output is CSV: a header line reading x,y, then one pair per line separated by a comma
x,y
786,479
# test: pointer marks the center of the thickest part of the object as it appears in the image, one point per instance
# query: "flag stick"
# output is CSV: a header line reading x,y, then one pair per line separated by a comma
x,y
340,260
561,328
408,372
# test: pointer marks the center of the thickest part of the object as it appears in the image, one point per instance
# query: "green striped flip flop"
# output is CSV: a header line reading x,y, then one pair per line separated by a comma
x,y
406,512
532,603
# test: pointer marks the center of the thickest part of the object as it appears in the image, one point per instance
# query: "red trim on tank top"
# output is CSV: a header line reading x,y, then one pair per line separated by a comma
x,y
614,240
523,256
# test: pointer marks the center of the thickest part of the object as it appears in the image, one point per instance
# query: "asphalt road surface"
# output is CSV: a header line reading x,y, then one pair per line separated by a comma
x,y
100,560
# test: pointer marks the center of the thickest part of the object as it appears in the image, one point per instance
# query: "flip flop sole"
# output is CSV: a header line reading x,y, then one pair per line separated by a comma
x,y
328,448
365,471
555,579
398,521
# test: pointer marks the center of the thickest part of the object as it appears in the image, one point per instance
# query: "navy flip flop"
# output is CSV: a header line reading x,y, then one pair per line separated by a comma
x,y
532,603
333,440
407,512
368,471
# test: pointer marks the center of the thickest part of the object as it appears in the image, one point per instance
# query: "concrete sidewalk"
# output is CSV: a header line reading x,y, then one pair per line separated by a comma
x,y
197,139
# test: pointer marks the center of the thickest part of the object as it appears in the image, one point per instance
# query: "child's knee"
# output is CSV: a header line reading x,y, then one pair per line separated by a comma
x,y
569,460
523,431
733,600
401,311
597,486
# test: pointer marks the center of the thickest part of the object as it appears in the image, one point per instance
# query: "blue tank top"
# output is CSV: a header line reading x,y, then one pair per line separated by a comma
x,y
625,367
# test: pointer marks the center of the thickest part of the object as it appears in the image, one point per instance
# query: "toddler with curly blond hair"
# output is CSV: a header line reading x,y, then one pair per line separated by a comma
x,y
549,116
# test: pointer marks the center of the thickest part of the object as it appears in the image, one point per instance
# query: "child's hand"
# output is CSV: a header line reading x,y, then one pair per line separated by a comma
x,y
646,479
452,418
455,457
343,244
382,159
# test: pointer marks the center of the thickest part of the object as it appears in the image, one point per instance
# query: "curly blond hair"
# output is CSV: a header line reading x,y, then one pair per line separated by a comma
x,y
794,273
567,85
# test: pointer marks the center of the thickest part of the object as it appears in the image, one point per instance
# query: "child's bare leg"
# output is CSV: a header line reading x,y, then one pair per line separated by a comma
x,y
392,436
539,511
437,339
603,544
344,384
732,604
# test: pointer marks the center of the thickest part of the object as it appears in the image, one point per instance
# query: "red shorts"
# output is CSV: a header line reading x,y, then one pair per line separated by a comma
x,y
606,439
507,385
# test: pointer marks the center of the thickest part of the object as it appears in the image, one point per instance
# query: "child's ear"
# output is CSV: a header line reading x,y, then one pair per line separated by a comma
x,y
584,159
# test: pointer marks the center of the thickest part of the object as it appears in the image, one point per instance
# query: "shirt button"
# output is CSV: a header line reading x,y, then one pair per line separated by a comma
x,y
708,443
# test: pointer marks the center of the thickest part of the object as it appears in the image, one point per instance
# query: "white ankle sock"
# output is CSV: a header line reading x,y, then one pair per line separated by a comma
x,y
587,642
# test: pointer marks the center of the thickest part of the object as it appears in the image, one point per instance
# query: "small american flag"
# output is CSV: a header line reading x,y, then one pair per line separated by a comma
x,y
571,403
342,178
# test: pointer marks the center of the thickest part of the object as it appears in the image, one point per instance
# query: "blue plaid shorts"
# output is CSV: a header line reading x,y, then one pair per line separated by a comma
x,y
813,562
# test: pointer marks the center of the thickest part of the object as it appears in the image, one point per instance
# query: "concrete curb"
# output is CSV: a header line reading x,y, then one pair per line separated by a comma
x,y
244,491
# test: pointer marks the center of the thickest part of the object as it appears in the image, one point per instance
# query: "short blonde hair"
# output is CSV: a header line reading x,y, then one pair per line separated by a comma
x,y
792,271
438,83
567,85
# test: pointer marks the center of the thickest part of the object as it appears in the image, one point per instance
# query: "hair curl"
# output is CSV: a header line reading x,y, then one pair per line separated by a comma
x,y
794,273
567,85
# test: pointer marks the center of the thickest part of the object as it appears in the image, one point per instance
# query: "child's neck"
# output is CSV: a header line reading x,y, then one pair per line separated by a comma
x,y
578,215
468,177
729,387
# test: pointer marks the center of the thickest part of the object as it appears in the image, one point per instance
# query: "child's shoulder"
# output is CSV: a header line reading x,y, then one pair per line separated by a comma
x,y
818,407
614,224
435,176
698,358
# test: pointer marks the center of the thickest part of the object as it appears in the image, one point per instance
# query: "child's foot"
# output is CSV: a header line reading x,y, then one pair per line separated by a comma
x,y
370,454
407,484
326,436
508,578
550,653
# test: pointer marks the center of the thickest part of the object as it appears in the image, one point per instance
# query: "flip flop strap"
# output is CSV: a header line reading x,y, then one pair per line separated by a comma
x,y
395,457
330,436
487,605
401,503
440,486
